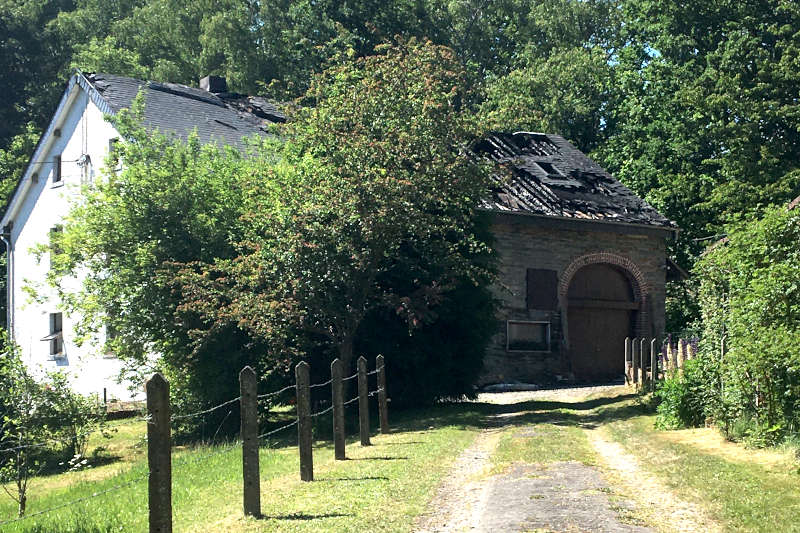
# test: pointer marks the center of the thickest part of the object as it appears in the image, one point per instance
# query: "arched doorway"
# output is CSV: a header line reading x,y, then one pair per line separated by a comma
x,y
601,311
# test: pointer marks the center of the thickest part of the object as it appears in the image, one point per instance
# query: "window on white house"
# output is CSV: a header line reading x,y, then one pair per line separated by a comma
x,y
57,169
111,335
56,337
527,336
55,244
113,152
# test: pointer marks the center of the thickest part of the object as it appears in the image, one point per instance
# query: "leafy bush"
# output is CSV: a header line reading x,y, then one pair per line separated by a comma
x,y
42,423
750,296
687,399
440,360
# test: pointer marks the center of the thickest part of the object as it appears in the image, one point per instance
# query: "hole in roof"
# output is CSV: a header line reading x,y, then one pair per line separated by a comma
x,y
550,169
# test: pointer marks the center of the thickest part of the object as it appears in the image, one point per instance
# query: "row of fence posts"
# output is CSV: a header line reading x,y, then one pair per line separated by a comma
x,y
159,457
644,364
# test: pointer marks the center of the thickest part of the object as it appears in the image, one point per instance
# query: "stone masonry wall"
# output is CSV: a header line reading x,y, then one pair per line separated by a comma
x,y
525,242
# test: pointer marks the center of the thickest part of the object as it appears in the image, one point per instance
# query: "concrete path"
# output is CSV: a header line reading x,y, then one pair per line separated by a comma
x,y
556,497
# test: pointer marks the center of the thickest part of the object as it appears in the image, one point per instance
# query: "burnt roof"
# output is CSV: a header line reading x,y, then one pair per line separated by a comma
x,y
179,109
550,177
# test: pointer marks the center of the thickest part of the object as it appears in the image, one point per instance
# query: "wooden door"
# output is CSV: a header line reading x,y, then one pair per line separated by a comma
x,y
601,313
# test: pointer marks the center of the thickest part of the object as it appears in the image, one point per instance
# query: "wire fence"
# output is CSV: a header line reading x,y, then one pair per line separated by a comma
x,y
71,438
77,500
159,432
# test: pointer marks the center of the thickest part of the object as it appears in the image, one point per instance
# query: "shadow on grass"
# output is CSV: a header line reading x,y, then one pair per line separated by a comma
x,y
59,466
365,478
378,458
480,415
303,516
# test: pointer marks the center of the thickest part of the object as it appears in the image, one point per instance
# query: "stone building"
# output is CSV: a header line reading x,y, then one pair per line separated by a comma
x,y
582,263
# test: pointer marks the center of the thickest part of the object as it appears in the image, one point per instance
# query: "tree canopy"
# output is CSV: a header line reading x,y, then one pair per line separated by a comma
x,y
693,106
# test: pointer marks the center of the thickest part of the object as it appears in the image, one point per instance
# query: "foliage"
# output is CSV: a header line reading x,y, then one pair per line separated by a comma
x,y
568,92
370,206
440,360
172,201
38,419
708,123
750,297
688,398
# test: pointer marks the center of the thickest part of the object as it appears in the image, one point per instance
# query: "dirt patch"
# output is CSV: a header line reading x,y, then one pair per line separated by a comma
x,y
669,512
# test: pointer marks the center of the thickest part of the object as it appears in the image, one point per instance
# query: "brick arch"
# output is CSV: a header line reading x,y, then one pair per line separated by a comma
x,y
641,289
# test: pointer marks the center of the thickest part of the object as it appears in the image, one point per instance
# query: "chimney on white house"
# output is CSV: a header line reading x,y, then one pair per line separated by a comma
x,y
214,84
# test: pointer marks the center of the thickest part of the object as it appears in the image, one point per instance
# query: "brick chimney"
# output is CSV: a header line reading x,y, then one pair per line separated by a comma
x,y
214,84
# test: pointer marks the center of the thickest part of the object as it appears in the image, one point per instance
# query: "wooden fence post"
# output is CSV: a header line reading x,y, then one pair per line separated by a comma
x,y
383,408
627,359
338,409
248,398
673,357
690,353
721,363
363,402
301,374
643,345
159,459
635,362
653,365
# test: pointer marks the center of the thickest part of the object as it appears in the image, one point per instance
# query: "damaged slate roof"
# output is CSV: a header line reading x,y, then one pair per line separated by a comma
x,y
551,177
179,109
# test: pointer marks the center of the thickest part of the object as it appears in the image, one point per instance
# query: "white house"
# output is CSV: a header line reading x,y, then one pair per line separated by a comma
x,y
70,153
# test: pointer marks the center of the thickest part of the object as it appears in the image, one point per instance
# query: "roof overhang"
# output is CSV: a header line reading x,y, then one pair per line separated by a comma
x,y
76,83
589,224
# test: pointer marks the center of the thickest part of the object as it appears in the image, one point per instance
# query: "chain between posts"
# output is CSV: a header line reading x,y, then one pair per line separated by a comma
x,y
275,393
206,411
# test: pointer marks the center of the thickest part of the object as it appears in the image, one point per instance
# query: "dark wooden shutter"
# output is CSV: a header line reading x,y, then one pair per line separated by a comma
x,y
56,169
542,289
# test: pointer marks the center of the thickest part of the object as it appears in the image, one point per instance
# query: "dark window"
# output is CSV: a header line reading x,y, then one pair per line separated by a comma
x,y
55,244
113,151
57,169
56,337
542,289
525,336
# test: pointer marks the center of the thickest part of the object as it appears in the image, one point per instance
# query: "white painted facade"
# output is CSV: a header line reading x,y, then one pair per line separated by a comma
x,y
81,136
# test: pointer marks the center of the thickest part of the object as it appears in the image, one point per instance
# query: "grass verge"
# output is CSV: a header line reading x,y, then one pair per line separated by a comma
x,y
741,494
380,488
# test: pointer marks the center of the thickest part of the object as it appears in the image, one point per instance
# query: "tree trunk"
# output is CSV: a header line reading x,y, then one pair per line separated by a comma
x,y
346,353
23,500
346,357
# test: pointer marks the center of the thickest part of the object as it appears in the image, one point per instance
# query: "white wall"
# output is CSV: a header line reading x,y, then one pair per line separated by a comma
x,y
83,131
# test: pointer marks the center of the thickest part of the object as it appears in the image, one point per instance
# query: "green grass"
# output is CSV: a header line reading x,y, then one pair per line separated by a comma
x,y
385,486
380,488
742,495
542,443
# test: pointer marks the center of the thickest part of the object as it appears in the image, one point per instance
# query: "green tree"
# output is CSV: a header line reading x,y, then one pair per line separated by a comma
x,y
569,93
750,294
707,128
369,206
172,201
